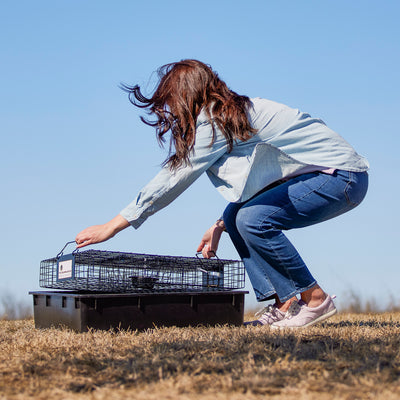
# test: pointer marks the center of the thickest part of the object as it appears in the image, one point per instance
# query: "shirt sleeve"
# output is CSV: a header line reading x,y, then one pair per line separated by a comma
x,y
167,185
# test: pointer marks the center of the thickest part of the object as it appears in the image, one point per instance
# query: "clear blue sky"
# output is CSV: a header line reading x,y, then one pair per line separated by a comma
x,y
73,151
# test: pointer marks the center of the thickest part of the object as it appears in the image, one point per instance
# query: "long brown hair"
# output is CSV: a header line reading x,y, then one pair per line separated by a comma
x,y
185,88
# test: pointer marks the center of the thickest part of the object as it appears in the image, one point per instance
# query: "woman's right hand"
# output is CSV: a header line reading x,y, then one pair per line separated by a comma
x,y
101,233
209,243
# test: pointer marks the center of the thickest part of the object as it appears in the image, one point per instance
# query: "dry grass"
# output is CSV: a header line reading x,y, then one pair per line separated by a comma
x,y
353,356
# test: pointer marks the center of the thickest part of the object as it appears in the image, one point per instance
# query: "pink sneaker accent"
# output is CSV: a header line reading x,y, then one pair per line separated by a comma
x,y
267,316
301,316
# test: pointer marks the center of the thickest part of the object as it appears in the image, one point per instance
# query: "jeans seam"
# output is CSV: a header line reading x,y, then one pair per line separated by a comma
x,y
266,295
350,180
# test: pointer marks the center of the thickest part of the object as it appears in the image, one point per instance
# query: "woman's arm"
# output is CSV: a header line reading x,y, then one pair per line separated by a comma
x,y
101,233
161,190
167,185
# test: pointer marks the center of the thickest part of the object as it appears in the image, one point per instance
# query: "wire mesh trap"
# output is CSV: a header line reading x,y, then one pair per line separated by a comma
x,y
117,272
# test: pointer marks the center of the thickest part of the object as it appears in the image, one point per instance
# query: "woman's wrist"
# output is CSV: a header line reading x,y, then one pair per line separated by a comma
x,y
220,225
117,224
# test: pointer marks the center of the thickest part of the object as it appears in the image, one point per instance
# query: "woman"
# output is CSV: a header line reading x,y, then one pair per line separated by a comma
x,y
279,169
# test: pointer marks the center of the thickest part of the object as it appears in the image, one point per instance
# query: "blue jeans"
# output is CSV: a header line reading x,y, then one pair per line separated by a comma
x,y
255,227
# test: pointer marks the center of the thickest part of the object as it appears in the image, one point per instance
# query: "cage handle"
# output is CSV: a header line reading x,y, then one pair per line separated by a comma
x,y
61,252
211,251
215,255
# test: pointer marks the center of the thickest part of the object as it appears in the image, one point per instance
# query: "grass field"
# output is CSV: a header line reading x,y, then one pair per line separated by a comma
x,y
353,356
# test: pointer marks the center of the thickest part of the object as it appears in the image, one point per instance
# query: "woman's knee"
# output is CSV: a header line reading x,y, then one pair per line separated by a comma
x,y
247,221
229,215
251,221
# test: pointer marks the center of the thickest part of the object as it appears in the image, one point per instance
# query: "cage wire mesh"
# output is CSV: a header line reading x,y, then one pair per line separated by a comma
x,y
116,272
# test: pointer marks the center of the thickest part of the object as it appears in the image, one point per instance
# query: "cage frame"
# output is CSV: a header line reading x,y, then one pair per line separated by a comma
x,y
105,271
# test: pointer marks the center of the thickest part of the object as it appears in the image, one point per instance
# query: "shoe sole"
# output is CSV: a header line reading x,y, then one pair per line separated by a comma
x,y
321,318
313,322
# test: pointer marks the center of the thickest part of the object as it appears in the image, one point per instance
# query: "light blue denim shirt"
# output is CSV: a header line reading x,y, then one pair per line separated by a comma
x,y
287,143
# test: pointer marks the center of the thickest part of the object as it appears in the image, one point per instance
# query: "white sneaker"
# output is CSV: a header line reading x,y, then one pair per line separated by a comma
x,y
267,316
300,315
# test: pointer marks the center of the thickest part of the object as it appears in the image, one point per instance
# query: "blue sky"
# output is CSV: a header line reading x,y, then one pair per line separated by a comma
x,y
74,152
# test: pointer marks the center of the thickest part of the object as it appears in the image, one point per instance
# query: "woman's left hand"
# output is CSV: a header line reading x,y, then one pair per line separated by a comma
x,y
209,243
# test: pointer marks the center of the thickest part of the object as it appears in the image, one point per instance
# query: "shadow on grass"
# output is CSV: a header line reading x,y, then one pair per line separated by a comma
x,y
370,324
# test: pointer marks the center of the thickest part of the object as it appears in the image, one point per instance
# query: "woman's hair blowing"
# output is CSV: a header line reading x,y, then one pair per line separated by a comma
x,y
185,88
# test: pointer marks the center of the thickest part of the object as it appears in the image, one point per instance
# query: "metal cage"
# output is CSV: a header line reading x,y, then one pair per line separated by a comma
x,y
117,272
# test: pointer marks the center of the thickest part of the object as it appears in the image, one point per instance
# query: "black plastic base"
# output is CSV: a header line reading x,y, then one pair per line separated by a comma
x,y
81,311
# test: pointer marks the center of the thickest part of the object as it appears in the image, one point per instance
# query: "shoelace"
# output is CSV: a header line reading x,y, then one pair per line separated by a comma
x,y
293,310
268,309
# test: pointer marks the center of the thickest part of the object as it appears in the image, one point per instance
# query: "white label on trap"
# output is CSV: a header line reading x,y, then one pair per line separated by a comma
x,y
65,269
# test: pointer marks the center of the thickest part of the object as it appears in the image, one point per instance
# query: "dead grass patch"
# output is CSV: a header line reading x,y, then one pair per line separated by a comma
x,y
353,356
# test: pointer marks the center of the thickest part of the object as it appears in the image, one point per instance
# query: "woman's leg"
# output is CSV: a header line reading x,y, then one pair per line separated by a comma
x,y
260,282
272,263
259,277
